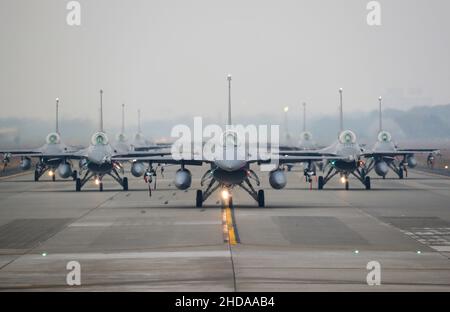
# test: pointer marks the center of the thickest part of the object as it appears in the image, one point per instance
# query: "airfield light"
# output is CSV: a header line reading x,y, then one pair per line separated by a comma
x,y
356,251
51,173
343,180
97,181
419,252
446,167
44,254
286,109
225,194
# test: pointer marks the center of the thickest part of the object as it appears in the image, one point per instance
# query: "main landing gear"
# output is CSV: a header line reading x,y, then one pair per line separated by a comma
x,y
213,185
358,174
80,182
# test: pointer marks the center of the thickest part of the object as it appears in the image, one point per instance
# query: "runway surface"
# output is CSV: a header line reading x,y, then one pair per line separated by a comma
x,y
301,241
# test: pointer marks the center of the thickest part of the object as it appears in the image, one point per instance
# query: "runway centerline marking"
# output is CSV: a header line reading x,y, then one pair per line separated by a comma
x,y
229,225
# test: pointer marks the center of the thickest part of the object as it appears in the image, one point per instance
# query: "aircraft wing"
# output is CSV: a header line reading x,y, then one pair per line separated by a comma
x,y
287,159
161,159
151,147
399,152
138,155
306,153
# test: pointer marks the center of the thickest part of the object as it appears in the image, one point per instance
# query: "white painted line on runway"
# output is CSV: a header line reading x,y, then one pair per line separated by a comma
x,y
130,255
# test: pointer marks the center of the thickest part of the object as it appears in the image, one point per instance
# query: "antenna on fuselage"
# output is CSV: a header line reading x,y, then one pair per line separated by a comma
x,y
229,123
57,116
380,116
101,110
341,112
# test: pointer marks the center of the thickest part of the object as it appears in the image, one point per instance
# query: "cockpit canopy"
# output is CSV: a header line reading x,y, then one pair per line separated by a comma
x,y
121,137
384,137
99,138
53,138
230,138
306,136
347,137
138,137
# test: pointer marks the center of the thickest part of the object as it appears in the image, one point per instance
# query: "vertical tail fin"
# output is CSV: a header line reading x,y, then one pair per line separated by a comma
x,y
229,122
341,112
101,110
123,118
139,120
57,116
304,116
380,116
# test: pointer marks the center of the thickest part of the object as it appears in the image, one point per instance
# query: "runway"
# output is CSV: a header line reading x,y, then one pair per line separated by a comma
x,y
301,241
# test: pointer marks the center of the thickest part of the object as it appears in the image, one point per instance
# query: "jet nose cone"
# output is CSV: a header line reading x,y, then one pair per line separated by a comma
x,y
96,157
230,165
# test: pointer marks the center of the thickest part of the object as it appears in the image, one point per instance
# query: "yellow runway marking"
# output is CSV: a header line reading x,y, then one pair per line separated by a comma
x,y
229,226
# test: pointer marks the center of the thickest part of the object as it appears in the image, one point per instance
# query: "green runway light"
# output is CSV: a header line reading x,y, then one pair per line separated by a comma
x,y
44,254
419,252
356,251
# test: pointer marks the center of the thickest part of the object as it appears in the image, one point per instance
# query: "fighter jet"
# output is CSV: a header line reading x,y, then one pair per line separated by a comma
x,y
351,153
138,169
385,155
52,156
98,159
233,169
305,143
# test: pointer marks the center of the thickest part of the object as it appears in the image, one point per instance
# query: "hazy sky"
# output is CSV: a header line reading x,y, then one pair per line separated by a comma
x,y
171,57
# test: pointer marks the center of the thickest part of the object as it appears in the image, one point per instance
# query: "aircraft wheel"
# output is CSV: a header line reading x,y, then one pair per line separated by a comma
x,y
36,176
125,184
199,199
230,202
320,183
261,201
74,175
384,177
347,185
78,185
367,183
400,173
